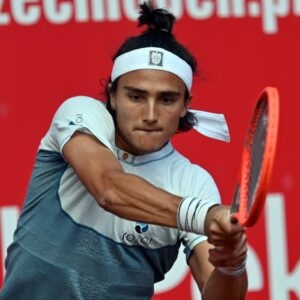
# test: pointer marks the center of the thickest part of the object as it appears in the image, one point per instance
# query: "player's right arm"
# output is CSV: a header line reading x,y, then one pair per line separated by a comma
x,y
131,197
123,194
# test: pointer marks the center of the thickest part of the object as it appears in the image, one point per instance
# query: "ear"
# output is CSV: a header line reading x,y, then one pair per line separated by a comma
x,y
112,98
186,106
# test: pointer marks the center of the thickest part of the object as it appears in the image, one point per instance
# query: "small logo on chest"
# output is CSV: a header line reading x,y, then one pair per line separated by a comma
x,y
137,237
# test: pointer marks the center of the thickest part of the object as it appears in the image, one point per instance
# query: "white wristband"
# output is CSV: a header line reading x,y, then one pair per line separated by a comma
x,y
234,271
191,214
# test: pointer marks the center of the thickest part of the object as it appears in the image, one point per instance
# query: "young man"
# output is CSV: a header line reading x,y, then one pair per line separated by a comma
x,y
110,200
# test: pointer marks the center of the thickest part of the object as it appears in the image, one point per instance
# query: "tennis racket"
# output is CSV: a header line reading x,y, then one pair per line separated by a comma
x,y
257,159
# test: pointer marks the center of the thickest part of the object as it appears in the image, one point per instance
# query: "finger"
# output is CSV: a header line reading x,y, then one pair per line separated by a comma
x,y
233,241
226,259
228,254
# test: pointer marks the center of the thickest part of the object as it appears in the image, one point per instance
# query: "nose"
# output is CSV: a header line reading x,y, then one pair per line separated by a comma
x,y
150,112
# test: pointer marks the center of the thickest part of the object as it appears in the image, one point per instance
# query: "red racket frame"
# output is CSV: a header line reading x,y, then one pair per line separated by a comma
x,y
240,210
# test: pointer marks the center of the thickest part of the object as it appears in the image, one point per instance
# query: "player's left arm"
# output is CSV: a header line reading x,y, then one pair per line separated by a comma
x,y
212,282
200,267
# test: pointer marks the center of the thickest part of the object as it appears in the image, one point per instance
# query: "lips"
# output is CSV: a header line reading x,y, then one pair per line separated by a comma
x,y
149,130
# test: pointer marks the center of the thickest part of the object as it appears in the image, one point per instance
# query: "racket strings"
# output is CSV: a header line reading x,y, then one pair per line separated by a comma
x,y
256,147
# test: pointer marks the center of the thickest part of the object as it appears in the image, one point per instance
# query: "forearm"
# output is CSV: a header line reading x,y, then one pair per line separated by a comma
x,y
133,198
219,268
221,286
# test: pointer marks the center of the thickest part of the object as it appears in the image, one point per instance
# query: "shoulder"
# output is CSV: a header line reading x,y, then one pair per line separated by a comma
x,y
82,102
185,165
193,178
79,113
83,111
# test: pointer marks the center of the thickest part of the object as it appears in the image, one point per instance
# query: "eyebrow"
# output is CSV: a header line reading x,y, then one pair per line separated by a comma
x,y
144,92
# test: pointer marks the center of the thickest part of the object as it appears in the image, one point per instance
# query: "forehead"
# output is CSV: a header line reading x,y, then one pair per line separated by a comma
x,y
152,80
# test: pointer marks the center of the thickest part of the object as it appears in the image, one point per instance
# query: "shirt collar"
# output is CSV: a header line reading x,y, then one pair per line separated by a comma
x,y
137,160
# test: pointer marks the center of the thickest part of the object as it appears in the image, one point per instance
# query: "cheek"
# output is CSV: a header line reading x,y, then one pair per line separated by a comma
x,y
177,114
171,123
124,118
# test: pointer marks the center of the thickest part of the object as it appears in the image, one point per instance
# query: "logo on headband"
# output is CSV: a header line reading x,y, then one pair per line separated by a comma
x,y
156,58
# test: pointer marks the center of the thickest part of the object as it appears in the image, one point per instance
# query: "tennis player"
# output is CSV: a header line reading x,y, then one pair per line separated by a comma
x,y
110,200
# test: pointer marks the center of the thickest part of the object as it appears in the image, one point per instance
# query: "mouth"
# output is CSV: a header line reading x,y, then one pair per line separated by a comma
x,y
149,130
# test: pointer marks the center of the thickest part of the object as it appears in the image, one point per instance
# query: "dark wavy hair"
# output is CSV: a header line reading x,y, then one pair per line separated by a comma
x,y
159,24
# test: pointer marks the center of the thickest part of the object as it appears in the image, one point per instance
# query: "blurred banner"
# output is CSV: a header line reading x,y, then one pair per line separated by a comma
x,y
51,50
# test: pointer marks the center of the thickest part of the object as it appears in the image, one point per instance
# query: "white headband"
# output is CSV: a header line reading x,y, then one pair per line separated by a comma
x,y
155,59
211,125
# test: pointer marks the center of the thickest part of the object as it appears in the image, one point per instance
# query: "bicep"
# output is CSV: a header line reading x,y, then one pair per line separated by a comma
x,y
200,267
90,159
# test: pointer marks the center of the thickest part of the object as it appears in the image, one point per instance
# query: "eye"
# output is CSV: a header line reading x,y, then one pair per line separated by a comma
x,y
167,100
135,97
